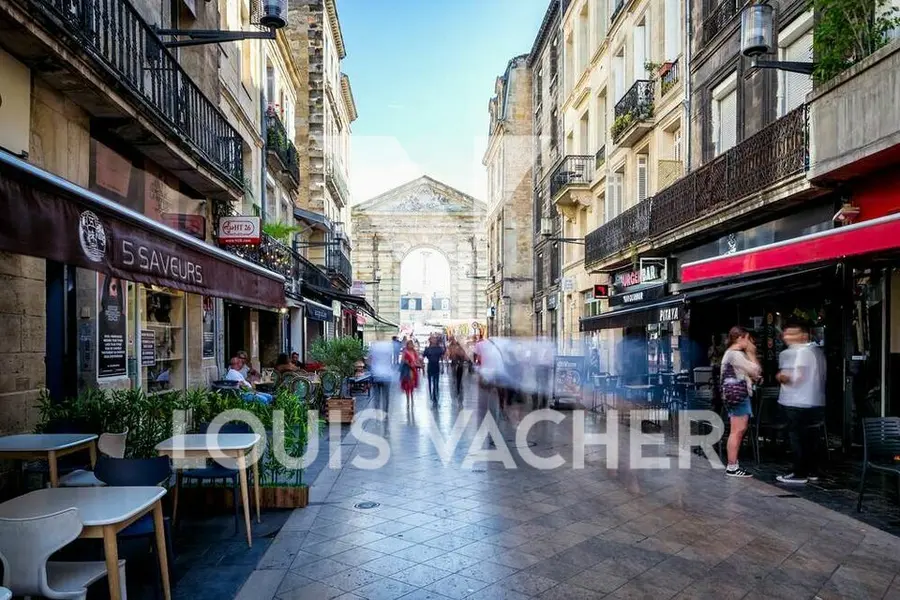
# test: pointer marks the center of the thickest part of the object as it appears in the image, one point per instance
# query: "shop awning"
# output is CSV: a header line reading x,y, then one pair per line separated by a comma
x,y
314,219
359,302
665,310
49,217
794,280
877,235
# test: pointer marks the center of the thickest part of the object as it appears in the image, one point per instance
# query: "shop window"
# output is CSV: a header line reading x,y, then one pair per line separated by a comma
x,y
591,305
162,339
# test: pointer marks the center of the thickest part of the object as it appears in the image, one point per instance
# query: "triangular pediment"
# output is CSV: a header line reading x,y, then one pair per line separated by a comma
x,y
422,195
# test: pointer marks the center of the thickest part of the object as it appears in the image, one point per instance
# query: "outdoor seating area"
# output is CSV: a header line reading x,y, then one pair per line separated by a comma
x,y
874,471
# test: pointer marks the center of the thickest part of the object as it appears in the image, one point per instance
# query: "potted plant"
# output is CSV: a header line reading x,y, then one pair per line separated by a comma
x,y
339,356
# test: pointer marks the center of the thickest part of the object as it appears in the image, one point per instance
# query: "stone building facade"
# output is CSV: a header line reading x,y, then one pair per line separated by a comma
x,y
545,62
423,213
509,222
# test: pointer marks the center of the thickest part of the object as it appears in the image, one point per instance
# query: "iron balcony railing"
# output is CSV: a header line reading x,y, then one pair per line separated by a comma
x,y
337,262
279,144
308,272
719,17
775,153
600,158
113,33
636,105
334,177
577,169
668,77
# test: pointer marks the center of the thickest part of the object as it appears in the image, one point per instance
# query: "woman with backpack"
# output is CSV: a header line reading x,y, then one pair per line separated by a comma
x,y
740,368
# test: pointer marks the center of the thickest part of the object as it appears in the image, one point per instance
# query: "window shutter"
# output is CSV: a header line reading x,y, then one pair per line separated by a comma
x,y
673,30
641,177
640,55
726,122
676,145
796,85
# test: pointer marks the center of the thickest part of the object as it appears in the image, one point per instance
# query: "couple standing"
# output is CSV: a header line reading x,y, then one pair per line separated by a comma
x,y
801,373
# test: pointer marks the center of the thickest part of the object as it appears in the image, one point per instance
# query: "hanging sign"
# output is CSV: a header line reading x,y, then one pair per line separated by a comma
x,y
239,230
112,327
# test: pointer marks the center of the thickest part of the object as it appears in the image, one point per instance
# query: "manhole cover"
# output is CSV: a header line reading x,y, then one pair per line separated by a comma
x,y
366,505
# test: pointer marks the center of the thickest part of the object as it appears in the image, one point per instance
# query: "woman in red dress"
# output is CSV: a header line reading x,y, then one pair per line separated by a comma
x,y
409,373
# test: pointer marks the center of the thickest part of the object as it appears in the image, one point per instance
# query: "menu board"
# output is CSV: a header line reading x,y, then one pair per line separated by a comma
x,y
112,327
568,375
148,348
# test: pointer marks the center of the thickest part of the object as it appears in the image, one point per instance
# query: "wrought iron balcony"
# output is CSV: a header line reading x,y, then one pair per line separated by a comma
x,y
626,230
307,272
719,17
279,145
334,179
572,170
115,35
633,108
337,263
668,77
776,152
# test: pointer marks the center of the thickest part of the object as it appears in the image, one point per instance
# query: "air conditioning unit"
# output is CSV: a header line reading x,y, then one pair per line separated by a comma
x,y
546,226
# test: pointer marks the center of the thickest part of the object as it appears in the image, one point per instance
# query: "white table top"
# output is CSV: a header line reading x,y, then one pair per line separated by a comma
x,y
202,441
43,442
96,505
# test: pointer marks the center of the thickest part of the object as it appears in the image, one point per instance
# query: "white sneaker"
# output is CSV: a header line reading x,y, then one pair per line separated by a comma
x,y
791,478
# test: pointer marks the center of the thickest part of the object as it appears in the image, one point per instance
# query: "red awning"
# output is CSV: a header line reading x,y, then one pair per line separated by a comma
x,y
851,240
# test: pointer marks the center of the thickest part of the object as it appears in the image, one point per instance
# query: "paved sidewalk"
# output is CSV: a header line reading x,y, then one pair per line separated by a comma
x,y
485,532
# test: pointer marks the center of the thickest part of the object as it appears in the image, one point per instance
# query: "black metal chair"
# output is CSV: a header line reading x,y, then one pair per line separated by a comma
x,y
768,420
130,472
215,472
881,450
702,397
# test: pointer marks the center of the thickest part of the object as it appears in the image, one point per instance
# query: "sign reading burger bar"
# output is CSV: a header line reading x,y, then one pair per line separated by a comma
x,y
59,221
646,282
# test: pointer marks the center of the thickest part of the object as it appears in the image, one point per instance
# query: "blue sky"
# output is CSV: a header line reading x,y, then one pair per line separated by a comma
x,y
422,73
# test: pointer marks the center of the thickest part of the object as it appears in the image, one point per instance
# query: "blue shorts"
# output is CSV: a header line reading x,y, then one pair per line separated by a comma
x,y
744,409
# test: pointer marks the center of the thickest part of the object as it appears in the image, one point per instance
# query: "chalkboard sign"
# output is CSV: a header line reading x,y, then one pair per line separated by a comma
x,y
112,327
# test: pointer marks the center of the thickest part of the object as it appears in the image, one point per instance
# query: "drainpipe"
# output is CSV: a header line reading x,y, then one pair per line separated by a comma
x,y
688,104
263,161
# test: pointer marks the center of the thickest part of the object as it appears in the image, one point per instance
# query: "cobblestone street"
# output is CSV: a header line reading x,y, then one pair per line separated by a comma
x,y
486,532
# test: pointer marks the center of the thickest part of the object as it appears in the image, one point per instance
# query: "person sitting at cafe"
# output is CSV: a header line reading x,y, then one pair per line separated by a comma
x,y
283,365
234,374
295,359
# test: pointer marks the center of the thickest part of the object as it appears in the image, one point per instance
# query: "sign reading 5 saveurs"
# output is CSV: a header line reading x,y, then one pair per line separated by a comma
x,y
239,230
160,263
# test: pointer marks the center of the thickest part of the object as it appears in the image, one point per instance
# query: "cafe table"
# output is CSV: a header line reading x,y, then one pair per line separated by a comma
x,y
104,512
234,446
51,446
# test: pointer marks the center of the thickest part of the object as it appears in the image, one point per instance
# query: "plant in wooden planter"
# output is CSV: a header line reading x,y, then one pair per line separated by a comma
x,y
339,356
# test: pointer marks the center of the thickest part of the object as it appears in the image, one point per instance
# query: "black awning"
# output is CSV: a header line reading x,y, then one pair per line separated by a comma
x,y
777,283
358,301
49,217
643,314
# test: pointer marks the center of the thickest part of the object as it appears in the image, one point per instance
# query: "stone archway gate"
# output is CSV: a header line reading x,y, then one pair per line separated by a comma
x,y
423,213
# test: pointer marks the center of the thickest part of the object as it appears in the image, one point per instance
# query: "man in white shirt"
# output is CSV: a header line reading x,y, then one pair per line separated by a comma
x,y
234,374
802,397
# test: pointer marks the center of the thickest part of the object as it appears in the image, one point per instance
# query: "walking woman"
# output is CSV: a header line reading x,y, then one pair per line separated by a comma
x,y
740,368
409,373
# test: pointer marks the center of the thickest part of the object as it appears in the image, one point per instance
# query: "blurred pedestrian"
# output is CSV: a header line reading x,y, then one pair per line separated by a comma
x,y
381,361
458,358
434,353
740,368
409,371
802,397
